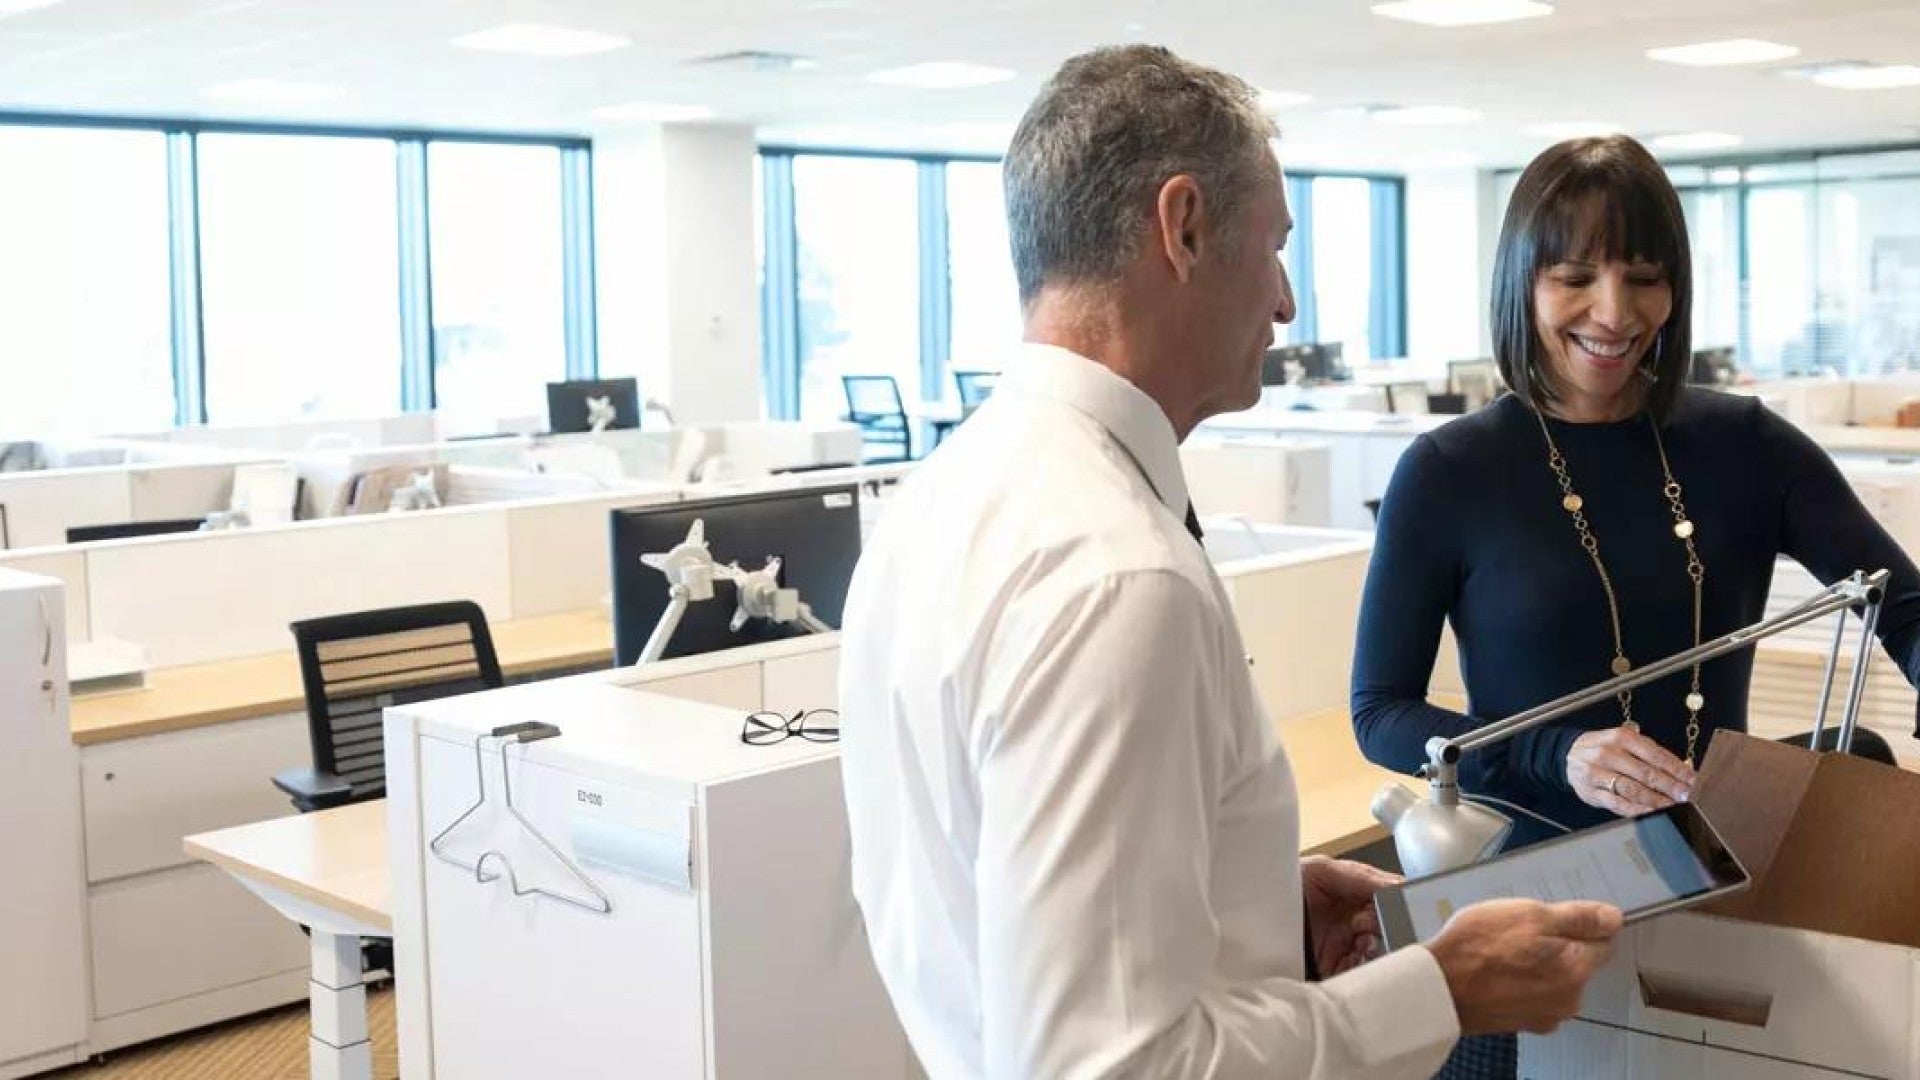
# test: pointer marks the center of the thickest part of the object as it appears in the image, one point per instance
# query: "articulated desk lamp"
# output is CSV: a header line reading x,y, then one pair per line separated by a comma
x,y
1447,830
691,572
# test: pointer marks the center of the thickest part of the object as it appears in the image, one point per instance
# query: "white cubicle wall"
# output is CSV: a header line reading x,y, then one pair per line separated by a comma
x,y
39,507
1269,480
196,597
296,435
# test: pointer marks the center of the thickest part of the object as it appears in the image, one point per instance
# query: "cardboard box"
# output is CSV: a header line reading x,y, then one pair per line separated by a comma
x,y
1813,972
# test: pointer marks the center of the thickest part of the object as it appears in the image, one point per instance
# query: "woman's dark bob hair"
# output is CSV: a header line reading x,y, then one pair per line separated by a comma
x,y
1598,200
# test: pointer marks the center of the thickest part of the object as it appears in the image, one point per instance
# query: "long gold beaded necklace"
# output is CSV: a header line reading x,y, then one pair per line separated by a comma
x,y
1696,571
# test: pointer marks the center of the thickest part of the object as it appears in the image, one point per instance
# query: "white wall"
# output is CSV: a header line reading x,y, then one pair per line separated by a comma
x,y
1448,266
678,278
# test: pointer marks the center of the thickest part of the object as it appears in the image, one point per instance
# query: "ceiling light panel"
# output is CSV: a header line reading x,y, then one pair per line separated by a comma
x,y
1724,53
1868,76
1462,12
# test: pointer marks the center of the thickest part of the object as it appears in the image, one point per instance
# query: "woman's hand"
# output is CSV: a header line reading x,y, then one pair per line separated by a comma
x,y
1621,770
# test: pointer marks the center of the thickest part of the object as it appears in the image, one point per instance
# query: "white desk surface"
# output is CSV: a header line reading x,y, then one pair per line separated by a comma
x,y
335,858
1324,421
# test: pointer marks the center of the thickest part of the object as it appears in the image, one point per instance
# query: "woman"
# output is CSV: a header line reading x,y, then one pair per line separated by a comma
x,y
1578,525
1566,529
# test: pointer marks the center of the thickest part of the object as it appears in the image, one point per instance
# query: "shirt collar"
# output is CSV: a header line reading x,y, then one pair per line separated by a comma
x,y
1129,415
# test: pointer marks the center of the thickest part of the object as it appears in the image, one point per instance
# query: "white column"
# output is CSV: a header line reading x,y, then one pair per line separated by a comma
x,y
1448,266
338,1048
677,273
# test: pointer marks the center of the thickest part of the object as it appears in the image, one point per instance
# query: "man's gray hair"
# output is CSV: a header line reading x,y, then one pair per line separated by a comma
x,y
1106,133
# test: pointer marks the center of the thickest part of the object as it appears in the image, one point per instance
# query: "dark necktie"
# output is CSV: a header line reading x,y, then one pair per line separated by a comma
x,y
1193,526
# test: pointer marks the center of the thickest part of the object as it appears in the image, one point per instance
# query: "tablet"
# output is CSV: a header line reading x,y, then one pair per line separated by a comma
x,y
1645,866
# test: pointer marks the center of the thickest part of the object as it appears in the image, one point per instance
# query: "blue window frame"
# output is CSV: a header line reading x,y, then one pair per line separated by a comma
x,y
961,267
184,255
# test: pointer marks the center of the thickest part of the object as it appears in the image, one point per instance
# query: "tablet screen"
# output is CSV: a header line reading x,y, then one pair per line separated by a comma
x,y
1641,865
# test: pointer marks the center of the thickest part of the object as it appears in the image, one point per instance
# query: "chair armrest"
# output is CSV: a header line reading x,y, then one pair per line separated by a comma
x,y
312,789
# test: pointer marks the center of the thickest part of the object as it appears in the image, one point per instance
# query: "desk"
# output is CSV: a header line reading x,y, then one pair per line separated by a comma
x,y
198,695
328,870
1336,783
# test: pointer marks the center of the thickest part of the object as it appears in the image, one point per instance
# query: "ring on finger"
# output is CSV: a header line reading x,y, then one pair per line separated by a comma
x,y
1613,785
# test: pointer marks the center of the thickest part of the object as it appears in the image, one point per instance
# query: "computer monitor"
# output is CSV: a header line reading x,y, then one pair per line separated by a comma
x,y
1273,366
1713,367
570,404
1310,360
815,531
120,530
1324,364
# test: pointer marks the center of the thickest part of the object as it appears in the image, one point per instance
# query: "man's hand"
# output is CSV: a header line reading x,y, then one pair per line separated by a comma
x,y
1338,894
1520,965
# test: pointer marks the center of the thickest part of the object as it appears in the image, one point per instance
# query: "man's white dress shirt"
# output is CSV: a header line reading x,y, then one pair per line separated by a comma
x,y
1074,834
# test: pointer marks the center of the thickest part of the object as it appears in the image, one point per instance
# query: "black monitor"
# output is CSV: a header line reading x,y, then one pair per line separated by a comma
x,y
567,404
1713,367
120,530
815,531
1324,364
1274,364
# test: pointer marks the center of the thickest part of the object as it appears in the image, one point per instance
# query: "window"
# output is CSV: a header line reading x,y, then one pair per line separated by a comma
x,y
857,231
1783,333
299,277
901,266
499,321
1342,225
85,307
986,299
1713,226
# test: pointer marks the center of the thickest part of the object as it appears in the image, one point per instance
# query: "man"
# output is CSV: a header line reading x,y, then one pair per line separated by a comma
x,y
1074,834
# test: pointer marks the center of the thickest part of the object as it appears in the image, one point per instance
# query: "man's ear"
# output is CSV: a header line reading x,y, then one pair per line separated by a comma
x,y
1181,214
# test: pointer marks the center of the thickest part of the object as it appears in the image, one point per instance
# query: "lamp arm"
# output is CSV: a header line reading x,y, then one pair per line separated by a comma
x,y
1443,754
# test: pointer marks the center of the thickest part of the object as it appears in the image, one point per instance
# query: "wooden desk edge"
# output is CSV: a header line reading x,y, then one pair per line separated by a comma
x,y
291,698
330,901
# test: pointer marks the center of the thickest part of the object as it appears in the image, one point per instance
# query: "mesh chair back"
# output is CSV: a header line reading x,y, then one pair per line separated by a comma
x,y
873,402
872,396
353,666
975,387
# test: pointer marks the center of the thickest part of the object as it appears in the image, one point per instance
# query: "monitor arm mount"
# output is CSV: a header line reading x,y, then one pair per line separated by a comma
x,y
690,572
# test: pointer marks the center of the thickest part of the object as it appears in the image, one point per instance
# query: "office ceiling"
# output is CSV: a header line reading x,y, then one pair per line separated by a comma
x,y
394,65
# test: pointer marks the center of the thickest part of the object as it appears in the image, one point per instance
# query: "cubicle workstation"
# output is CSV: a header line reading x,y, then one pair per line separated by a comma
x,y
218,710
48,489
653,830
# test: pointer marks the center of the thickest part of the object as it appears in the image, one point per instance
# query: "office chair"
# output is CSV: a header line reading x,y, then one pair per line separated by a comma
x,y
873,402
352,666
975,387
1867,743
